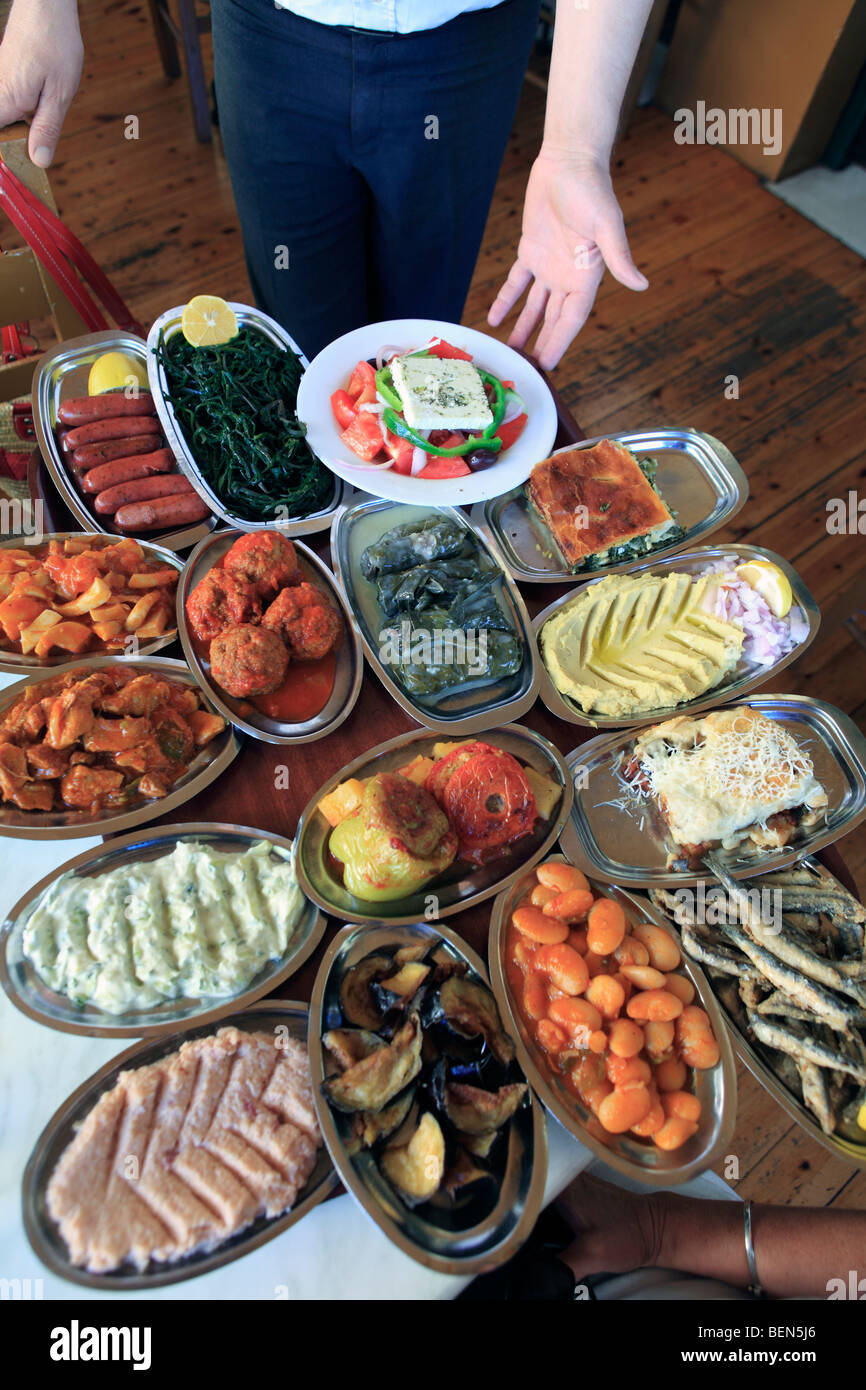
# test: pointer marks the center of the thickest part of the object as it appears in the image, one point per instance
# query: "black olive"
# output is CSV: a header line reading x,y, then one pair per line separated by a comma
x,y
481,458
373,363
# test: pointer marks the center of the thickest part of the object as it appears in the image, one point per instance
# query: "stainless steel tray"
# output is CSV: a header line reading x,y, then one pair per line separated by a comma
x,y
472,707
210,761
62,374
499,1235
745,677
640,1159
451,892
18,665
168,324
33,997
846,1149
349,666
43,1234
611,839
698,477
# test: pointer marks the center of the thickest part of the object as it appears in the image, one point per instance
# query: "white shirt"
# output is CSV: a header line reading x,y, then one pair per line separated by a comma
x,y
389,16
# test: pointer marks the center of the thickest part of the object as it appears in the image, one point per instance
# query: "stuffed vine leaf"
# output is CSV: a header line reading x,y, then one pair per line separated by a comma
x,y
414,543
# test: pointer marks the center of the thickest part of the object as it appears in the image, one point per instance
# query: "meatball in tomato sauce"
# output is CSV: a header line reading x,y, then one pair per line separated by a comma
x,y
247,661
219,601
266,560
304,619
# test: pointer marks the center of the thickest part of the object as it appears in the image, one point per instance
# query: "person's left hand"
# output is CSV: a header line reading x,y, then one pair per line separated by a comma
x,y
572,228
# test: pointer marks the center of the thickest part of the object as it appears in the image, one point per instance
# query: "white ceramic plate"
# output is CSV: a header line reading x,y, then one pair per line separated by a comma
x,y
332,368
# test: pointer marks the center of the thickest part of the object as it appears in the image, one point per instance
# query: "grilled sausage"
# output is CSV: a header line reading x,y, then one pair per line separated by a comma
x,y
161,513
140,490
124,427
90,455
127,469
82,410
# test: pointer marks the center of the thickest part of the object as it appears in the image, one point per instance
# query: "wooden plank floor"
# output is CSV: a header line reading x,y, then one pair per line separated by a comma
x,y
740,285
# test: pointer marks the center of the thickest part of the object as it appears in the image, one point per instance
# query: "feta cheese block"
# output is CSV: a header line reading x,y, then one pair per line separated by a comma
x,y
441,393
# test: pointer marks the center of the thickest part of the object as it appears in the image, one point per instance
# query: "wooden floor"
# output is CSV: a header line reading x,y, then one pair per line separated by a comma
x,y
739,284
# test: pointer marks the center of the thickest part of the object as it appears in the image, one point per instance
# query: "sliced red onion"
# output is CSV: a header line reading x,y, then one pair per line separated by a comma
x,y
384,355
372,407
372,467
419,460
514,406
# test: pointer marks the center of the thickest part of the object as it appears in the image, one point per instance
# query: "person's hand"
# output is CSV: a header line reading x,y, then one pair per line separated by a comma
x,y
40,67
614,1230
572,228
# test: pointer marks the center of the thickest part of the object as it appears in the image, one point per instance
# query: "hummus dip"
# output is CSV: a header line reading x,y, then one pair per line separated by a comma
x,y
630,644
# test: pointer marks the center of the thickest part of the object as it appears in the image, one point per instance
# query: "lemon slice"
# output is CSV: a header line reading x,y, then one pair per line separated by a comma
x,y
208,321
769,581
115,371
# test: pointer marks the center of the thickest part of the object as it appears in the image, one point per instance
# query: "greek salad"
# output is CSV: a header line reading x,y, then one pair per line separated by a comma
x,y
428,412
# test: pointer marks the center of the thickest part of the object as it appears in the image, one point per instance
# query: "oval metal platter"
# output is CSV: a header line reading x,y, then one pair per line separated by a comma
x,y
349,664
42,1232
496,1236
698,477
746,676
472,707
461,886
850,1151
636,1158
17,664
168,324
616,837
62,374
207,765
33,997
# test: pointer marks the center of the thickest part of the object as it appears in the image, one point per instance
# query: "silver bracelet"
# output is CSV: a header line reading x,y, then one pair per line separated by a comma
x,y
755,1286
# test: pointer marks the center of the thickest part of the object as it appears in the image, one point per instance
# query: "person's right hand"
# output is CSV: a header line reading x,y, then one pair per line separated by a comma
x,y
614,1230
40,67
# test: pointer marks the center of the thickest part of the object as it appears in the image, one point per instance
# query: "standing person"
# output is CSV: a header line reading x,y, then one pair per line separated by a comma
x,y
364,140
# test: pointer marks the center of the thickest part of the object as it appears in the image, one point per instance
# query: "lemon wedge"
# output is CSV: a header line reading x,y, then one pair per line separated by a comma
x,y
769,581
115,371
208,321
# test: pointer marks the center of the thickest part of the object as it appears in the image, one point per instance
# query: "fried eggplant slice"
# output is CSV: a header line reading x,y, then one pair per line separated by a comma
x,y
470,1009
479,1145
474,1111
397,991
465,1174
350,1045
388,1120
416,1169
371,1083
356,1000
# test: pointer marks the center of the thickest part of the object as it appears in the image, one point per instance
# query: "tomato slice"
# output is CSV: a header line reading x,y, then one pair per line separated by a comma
x,y
444,468
362,384
512,431
443,349
364,436
343,408
489,802
401,451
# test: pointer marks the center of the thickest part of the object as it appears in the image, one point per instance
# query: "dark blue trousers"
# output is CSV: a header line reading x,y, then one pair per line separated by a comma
x,y
363,165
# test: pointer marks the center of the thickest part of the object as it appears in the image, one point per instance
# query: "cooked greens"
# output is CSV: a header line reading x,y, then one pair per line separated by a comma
x,y
442,599
236,405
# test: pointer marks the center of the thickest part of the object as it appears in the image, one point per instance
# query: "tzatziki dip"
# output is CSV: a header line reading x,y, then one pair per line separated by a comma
x,y
195,922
